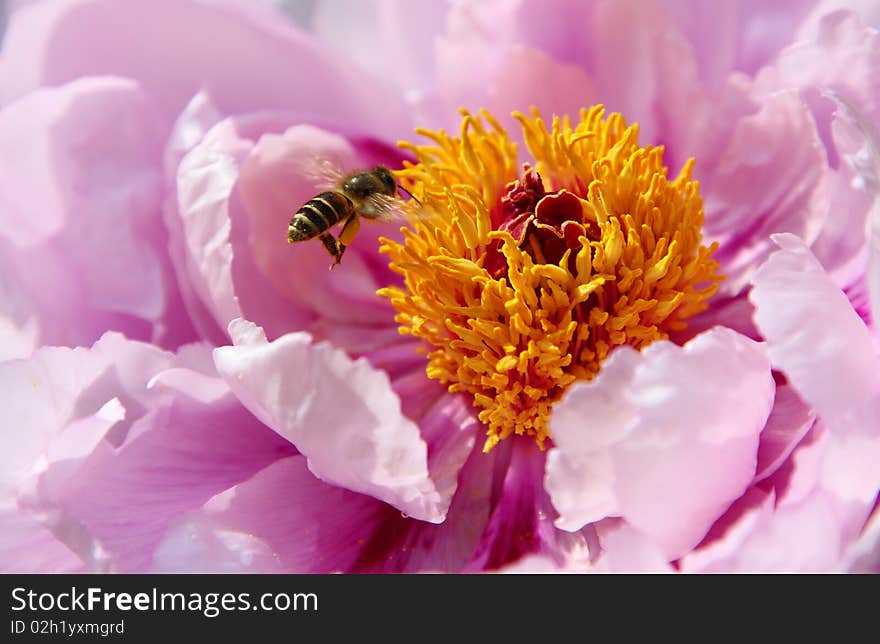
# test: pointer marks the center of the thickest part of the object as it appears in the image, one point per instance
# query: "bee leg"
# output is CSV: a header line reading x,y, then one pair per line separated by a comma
x,y
349,229
332,247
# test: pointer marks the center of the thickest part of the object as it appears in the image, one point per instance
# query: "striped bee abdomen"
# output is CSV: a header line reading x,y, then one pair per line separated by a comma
x,y
318,215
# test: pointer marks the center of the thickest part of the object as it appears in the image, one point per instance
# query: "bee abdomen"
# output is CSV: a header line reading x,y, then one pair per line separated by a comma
x,y
319,215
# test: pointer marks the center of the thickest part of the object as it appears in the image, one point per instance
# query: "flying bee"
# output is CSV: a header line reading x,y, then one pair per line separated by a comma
x,y
372,194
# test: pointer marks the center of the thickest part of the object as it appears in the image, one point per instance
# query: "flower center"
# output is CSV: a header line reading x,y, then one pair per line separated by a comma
x,y
522,281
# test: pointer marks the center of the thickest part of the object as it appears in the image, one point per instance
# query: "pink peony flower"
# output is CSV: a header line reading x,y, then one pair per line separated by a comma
x,y
638,364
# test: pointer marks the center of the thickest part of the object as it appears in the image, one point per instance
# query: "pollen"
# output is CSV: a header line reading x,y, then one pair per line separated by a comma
x,y
521,279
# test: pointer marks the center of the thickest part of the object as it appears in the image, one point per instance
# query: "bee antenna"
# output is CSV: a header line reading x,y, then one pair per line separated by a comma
x,y
411,195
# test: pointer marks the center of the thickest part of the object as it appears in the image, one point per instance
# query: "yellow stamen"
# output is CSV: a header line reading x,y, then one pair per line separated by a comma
x,y
522,282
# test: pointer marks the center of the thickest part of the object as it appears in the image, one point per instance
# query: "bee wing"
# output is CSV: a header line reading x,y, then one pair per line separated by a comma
x,y
325,172
382,207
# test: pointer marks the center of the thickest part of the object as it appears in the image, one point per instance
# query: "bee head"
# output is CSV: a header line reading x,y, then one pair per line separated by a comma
x,y
389,185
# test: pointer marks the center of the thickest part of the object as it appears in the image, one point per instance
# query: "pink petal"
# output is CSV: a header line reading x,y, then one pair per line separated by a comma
x,y
341,414
565,89
632,43
733,312
241,55
448,424
320,528
742,36
678,448
520,524
234,201
86,157
399,544
531,565
281,519
112,446
771,175
274,182
178,455
835,67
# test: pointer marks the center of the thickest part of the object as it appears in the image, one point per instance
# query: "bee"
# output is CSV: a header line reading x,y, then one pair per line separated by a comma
x,y
372,194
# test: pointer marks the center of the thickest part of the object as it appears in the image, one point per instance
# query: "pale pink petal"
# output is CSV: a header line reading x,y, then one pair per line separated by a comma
x,y
625,550
69,404
580,472
867,10
820,508
242,55
205,178
198,116
825,491
80,198
79,440
27,547
721,555
788,423
799,475
341,414
814,336
196,545
59,387
551,36
849,474
407,31
474,32
752,535
532,565
626,55
842,56
678,448
191,126
803,538
854,198
864,555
